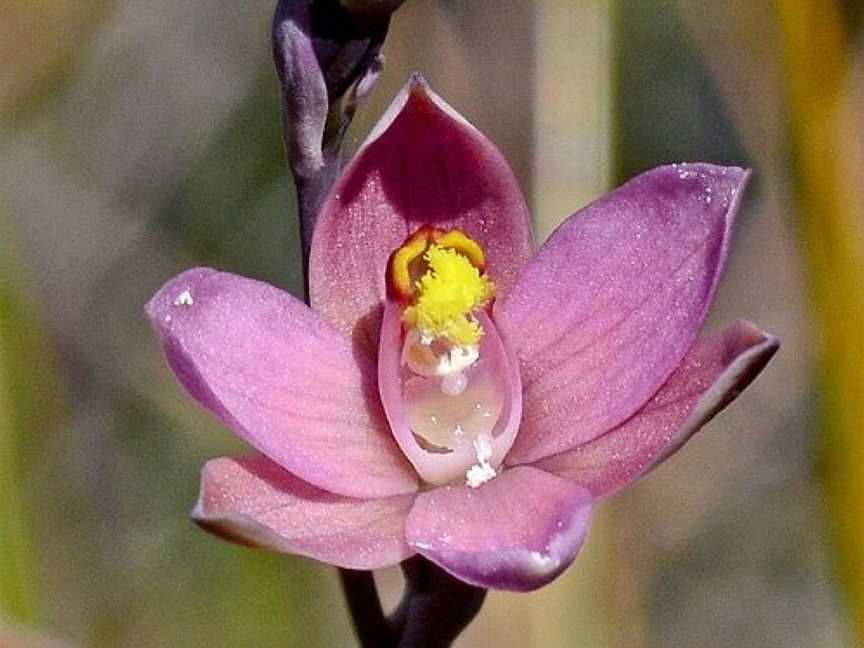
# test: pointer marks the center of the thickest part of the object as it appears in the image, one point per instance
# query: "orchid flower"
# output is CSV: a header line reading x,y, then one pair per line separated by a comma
x,y
451,393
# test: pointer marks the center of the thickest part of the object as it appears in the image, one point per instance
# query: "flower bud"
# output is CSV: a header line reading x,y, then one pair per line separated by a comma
x,y
327,58
372,8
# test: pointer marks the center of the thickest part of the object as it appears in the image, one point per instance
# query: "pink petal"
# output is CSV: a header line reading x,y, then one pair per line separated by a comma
x,y
710,377
422,164
283,379
438,468
253,501
516,532
614,300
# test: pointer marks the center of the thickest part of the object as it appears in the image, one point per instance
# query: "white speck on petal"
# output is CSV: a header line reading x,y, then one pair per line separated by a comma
x,y
482,471
479,474
483,447
184,299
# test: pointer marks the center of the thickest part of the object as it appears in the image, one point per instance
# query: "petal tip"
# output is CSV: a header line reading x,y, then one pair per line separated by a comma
x,y
417,82
734,177
762,347
418,95
215,510
175,295
754,340
220,526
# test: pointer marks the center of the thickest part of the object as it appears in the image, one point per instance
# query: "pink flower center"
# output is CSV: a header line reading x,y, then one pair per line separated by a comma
x,y
446,382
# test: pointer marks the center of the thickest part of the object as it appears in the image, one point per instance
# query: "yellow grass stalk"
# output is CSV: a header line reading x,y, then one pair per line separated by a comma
x,y
831,216
16,575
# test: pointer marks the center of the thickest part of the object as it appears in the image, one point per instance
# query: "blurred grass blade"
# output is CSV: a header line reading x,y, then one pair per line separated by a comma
x,y
831,211
16,595
24,409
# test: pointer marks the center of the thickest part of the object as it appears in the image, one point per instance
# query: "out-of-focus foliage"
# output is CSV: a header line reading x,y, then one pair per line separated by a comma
x,y
250,226
40,41
682,104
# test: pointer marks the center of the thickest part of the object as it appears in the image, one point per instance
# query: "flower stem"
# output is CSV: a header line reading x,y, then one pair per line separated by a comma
x,y
372,627
434,610
436,607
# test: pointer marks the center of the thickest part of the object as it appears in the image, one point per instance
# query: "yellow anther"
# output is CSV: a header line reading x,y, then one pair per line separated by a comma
x,y
407,264
401,263
462,243
451,289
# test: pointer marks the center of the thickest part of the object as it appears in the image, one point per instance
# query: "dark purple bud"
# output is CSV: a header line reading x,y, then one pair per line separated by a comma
x,y
372,8
327,57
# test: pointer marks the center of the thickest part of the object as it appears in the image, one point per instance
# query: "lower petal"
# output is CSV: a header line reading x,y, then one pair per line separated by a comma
x,y
710,377
253,501
517,532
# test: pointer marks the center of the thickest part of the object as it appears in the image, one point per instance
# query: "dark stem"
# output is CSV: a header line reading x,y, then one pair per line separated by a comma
x,y
311,191
372,627
436,607
434,610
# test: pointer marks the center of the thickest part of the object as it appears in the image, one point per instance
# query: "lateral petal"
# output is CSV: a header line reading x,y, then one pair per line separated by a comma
x,y
614,299
282,379
712,375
